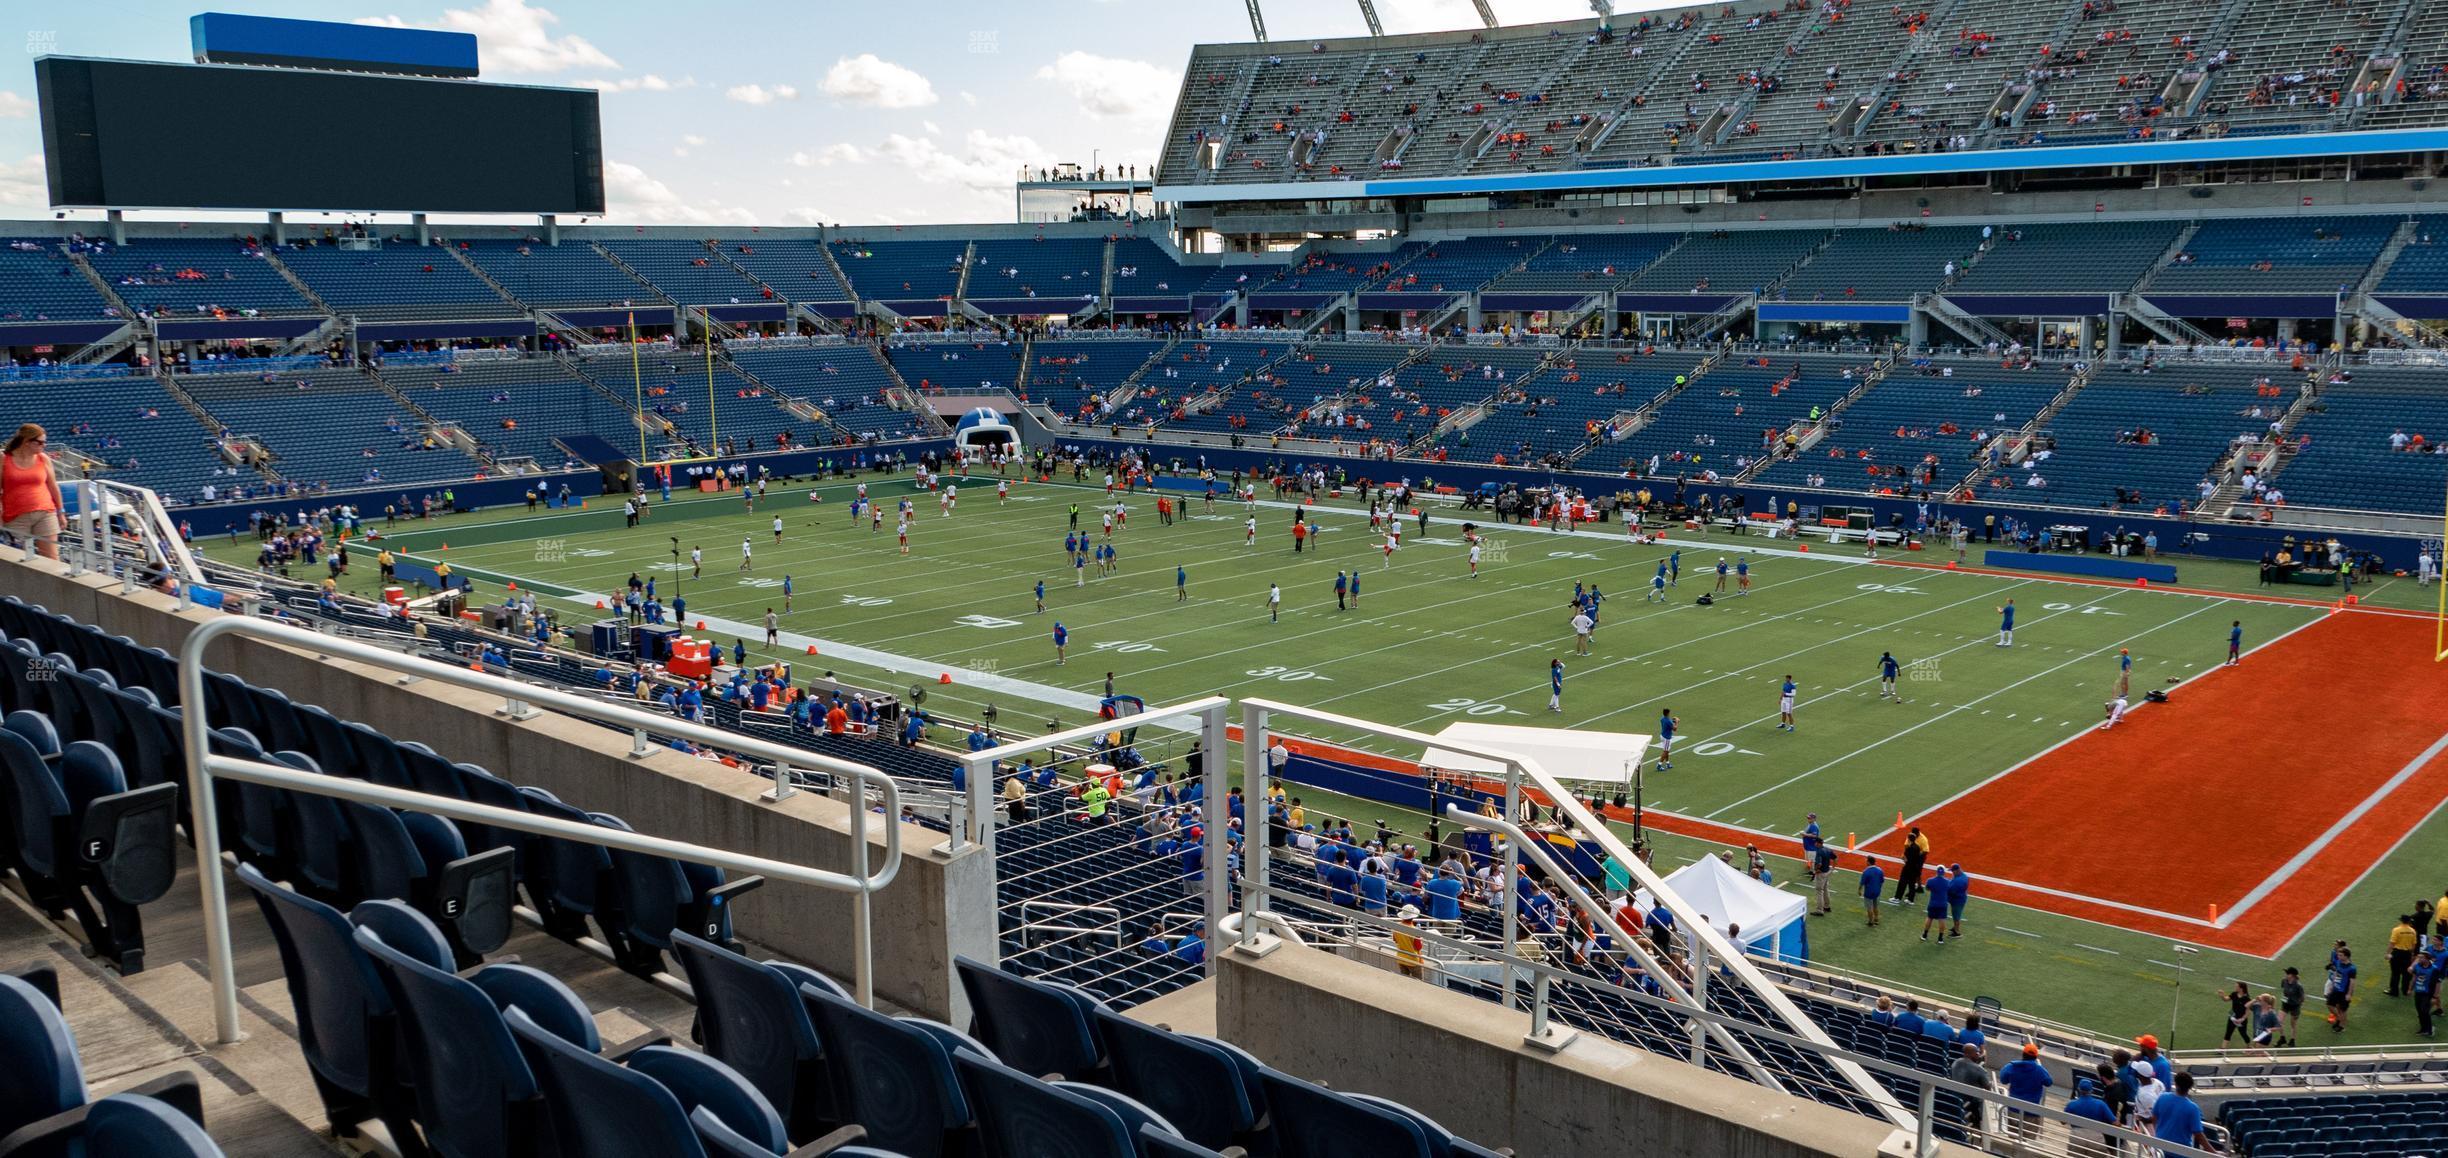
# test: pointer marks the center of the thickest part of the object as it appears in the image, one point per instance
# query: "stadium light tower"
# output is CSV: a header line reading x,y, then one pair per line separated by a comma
x,y
1257,22
1368,13
1487,15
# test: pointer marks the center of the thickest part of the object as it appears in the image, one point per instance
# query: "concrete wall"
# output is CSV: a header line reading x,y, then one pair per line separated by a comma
x,y
937,907
1461,1061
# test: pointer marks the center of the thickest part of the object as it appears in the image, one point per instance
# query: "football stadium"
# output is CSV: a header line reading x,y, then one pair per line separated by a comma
x,y
1770,578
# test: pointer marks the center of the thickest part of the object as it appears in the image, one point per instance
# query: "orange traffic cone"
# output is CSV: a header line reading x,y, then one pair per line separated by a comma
x,y
811,649
599,605
1804,548
701,625
446,546
945,678
2141,582
514,585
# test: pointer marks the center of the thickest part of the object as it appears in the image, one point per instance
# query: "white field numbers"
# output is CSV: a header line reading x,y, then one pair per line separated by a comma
x,y
1285,674
1124,646
1471,707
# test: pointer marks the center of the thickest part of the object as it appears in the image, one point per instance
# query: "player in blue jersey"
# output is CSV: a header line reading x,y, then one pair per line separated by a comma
x,y
1657,586
1666,734
1181,584
1555,685
1742,576
1041,597
1785,705
1887,677
1596,597
2006,625
1722,569
1674,567
2235,643
1062,639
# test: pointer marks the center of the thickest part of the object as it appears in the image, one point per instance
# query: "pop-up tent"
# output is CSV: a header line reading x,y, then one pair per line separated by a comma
x,y
1566,753
1774,923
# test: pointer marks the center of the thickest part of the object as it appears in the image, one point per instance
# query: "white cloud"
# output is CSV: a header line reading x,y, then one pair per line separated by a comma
x,y
12,105
757,94
931,128
807,215
650,82
633,195
968,98
1107,86
984,163
23,192
868,80
512,37
839,154
691,139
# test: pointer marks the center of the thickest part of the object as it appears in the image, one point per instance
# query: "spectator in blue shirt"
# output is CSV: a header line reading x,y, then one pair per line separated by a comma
x,y
1936,1028
1884,1013
2025,1079
1340,882
1936,912
1971,1033
2175,1117
979,741
1910,1020
1445,897
2089,1105
1193,857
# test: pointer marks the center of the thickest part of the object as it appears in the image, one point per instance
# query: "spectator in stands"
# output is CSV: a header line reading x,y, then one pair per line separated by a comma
x,y
1969,1070
2087,1103
30,503
2176,1117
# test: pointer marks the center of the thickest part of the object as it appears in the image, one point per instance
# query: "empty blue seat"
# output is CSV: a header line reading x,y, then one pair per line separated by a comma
x,y
750,1016
602,1108
129,1125
80,840
891,1077
1021,1117
1036,1026
1208,1090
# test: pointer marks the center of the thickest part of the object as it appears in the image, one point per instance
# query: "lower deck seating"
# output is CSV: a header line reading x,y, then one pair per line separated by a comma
x,y
1922,427
2372,442
2154,436
2338,1125
333,426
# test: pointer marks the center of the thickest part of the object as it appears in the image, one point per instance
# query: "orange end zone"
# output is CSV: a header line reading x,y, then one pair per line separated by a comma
x,y
2201,801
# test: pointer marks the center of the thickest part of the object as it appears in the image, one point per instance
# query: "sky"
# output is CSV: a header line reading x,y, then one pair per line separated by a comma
x,y
813,111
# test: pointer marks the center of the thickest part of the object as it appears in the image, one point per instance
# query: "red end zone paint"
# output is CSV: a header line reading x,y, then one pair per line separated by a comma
x,y
2197,802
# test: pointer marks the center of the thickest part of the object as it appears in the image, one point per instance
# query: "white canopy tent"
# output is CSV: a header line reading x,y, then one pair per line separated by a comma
x,y
1773,922
1566,754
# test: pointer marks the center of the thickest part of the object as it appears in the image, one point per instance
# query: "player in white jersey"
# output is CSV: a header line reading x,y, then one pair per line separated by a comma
x,y
777,528
2116,710
1249,532
951,498
747,558
862,491
1474,560
1003,492
875,519
902,530
1393,543
696,563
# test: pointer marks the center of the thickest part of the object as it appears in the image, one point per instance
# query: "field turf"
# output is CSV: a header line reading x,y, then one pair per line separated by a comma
x,y
1427,645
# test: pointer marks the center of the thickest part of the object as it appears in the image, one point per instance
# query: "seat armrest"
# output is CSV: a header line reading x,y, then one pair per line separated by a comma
x,y
846,1136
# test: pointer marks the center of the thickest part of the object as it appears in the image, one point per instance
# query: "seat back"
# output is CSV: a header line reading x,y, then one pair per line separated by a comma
x,y
475,1094
1314,1122
750,1017
599,1108
1196,1085
38,1055
342,1008
135,1126
31,800
895,1080
1032,1026
125,838
1155,1143
704,1084
1021,1117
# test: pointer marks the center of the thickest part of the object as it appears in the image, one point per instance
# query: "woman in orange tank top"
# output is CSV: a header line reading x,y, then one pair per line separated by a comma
x,y
30,503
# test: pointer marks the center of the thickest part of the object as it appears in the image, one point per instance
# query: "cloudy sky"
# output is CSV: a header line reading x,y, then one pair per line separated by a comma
x,y
794,113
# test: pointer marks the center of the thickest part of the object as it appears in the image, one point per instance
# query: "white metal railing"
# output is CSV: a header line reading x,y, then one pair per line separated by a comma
x,y
1710,947
125,530
519,702
1208,717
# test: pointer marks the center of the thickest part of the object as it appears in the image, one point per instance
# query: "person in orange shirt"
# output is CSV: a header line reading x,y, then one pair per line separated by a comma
x,y
837,721
30,503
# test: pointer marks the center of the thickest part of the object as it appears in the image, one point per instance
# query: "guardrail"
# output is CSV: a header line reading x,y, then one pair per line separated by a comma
x,y
519,702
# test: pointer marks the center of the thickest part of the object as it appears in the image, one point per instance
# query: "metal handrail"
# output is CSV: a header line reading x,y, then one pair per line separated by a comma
x,y
518,704
1521,771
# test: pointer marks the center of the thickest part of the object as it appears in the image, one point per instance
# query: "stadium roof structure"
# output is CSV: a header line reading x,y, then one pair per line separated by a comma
x,y
1566,753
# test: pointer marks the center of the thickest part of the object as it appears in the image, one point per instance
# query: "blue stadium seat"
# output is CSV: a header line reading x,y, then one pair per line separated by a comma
x,y
1313,1122
81,841
750,1017
346,1024
1022,1117
645,1108
1042,1028
1208,1090
43,1107
893,1077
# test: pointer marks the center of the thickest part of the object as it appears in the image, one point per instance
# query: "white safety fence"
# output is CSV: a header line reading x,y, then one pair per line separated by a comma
x,y
520,702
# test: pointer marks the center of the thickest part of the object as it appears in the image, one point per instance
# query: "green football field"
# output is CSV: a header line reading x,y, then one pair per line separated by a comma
x,y
1427,645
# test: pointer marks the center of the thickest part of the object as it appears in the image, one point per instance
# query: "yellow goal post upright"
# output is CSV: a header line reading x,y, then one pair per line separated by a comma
x,y
2439,563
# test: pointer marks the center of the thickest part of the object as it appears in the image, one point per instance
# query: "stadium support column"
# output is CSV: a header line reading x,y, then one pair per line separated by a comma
x,y
118,226
1916,331
1477,317
424,228
277,228
551,225
2086,332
